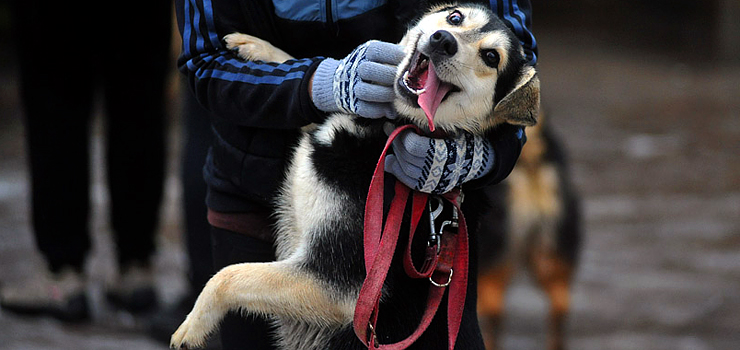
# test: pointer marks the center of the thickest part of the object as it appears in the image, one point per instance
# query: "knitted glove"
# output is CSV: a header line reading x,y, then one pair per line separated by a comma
x,y
361,83
437,166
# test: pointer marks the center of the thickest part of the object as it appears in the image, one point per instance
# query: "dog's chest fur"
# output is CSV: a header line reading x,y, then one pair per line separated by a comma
x,y
323,196
321,223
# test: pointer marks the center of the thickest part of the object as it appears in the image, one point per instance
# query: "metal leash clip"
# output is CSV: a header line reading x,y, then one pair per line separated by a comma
x,y
434,213
452,223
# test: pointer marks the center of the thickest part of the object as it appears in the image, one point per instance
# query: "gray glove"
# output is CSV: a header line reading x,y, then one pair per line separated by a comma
x,y
361,83
437,166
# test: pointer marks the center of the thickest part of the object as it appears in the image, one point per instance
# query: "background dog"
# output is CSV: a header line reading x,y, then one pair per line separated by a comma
x,y
534,223
312,289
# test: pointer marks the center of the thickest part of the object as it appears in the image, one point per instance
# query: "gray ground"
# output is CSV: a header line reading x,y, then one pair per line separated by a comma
x,y
655,149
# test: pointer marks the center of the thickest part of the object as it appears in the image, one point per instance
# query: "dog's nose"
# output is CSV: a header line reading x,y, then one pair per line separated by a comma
x,y
443,43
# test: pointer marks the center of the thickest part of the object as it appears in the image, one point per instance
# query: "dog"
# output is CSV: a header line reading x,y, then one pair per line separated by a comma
x,y
312,289
534,221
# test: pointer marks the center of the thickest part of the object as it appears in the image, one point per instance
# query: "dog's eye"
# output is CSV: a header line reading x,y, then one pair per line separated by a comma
x,y
455,18
491,58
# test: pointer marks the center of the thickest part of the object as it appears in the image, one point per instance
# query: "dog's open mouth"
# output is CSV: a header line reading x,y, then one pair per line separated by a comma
x,y
416,76
421,80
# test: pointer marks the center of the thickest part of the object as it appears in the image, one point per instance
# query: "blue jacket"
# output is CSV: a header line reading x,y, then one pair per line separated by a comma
x,y
259,107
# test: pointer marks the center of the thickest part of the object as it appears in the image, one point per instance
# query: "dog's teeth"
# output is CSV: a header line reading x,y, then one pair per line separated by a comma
x,y
406,83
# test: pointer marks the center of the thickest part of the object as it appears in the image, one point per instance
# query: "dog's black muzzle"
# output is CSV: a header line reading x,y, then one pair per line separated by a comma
x,y
442,44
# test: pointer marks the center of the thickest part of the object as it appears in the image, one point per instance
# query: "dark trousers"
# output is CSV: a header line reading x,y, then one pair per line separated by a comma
x,y
197,138
67,52
238,332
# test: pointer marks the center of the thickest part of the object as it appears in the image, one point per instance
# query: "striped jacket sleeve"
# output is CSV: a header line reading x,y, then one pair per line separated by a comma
x,y
251,93
518,14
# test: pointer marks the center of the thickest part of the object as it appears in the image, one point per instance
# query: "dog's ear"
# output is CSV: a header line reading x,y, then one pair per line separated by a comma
x,y
521,106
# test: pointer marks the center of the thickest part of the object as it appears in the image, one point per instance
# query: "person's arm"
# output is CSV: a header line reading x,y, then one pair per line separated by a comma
x,y
434,165
518,14
250,93
506,144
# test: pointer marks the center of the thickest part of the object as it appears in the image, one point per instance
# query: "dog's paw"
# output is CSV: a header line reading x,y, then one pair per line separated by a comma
x,y
235,40
202,320
251,48
189,335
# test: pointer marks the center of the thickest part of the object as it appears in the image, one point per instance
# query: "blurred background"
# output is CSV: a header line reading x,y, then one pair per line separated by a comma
x,y
644,95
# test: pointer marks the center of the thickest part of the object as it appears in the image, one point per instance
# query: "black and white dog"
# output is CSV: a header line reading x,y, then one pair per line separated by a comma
x,y
312,289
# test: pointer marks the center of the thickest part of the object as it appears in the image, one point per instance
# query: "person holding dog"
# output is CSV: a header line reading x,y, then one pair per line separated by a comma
x,y
259,107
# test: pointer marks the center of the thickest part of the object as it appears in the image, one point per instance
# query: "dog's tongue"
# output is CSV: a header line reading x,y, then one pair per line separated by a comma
x,y
434,91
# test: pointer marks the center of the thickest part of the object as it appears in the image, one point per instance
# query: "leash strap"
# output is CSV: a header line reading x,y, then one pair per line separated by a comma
x,y
459,281
449,267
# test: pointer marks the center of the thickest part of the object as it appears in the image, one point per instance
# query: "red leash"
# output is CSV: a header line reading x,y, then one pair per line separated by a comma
x,y
445,267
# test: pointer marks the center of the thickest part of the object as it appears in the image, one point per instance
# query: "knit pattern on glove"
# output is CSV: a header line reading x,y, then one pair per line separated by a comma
x,y
437,166
361,83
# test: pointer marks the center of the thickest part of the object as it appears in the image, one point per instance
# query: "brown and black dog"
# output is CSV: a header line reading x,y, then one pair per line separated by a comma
x,y
534,222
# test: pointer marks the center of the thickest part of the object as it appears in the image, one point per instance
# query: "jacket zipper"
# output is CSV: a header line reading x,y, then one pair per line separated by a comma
x,y
329,16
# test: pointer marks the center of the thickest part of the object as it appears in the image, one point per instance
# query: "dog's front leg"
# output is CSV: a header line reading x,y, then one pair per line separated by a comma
x,y
278,288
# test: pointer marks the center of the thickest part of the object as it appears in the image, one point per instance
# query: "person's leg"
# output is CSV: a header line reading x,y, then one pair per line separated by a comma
x,y
135,73
56,94
198,137
135,69
238,332
57,142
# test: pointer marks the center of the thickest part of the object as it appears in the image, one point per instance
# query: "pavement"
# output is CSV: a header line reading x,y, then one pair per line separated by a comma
x,y
654,144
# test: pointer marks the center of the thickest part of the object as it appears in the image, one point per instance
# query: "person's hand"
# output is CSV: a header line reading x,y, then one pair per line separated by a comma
x,y
437,166
361,83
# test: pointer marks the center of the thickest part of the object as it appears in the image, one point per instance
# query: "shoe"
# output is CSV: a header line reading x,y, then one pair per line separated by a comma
x,y
60,295
133,290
